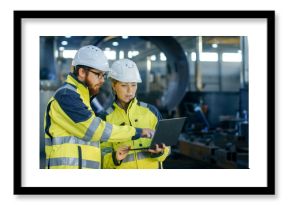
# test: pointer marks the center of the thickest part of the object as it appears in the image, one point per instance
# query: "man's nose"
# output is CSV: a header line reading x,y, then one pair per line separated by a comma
x,y
102,79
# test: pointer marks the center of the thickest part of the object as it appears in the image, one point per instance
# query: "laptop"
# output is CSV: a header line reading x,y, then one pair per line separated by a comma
x,y
167,132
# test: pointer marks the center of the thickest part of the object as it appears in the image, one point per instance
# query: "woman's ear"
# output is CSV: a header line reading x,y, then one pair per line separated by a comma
x,y
113,88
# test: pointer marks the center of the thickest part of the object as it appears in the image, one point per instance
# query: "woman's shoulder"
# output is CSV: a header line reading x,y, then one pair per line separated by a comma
x,y
152,108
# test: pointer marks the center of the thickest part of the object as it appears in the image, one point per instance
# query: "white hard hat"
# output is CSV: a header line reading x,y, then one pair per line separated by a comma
x,y
91,56
126,71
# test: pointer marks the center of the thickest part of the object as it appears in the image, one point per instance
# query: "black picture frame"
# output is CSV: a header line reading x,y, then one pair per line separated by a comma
x,y
19,189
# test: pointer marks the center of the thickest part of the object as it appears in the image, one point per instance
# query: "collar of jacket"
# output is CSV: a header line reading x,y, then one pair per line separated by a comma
x,y
72,77
132,105
82,89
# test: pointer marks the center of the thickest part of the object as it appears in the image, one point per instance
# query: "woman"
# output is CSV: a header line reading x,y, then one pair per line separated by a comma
x,y
126,110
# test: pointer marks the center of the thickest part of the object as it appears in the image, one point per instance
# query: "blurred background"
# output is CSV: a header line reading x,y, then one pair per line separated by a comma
x,y
204,78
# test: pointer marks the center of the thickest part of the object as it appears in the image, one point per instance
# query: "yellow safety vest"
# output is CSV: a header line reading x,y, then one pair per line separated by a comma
x,y
140,115
73,132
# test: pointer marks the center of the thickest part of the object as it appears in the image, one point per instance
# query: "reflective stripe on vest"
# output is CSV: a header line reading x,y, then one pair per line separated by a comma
x,y
143,104
129,158
143,155
69,161
68,140
66,86
107,132
92,128
140,155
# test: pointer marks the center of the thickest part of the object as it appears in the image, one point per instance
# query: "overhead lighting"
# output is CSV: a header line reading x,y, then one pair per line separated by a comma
x,y
64,43
107,49
214,45
68,36
69,53
162,57
131,54
153,58
125,37
115,43
111,55
61,48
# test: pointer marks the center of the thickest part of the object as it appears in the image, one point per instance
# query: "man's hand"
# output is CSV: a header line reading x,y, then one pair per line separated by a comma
x,y
147,133
158,149
122,152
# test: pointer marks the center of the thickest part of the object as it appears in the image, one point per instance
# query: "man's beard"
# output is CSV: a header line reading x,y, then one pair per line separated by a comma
x,y
92,88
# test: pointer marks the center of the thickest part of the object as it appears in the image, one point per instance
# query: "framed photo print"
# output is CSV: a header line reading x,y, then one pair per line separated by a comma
x,y
77,131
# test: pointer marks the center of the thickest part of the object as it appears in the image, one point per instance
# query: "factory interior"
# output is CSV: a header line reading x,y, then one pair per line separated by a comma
x,y
203,78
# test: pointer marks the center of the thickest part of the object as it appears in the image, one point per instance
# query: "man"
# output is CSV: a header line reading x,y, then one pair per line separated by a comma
x,y
72,131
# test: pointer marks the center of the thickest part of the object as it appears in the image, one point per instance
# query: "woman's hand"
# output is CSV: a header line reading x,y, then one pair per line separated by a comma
x,y
147,133
158,149
122,152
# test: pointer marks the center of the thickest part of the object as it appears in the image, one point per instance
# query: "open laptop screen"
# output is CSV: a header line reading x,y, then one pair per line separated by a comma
x,y
167,132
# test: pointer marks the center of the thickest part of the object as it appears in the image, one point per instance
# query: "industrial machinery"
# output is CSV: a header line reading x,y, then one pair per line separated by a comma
x,y
222,142
216,130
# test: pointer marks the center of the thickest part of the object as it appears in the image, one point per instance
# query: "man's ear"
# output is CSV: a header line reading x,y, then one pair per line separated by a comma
x,y
82,74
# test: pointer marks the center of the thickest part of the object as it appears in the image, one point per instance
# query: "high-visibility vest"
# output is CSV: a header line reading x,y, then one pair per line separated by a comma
x,y
140,115
73,131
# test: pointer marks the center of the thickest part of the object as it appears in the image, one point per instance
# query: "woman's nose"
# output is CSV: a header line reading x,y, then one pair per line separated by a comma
x,y
130,90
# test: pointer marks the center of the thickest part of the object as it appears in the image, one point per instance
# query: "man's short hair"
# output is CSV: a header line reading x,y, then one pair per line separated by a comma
x,y
77,67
